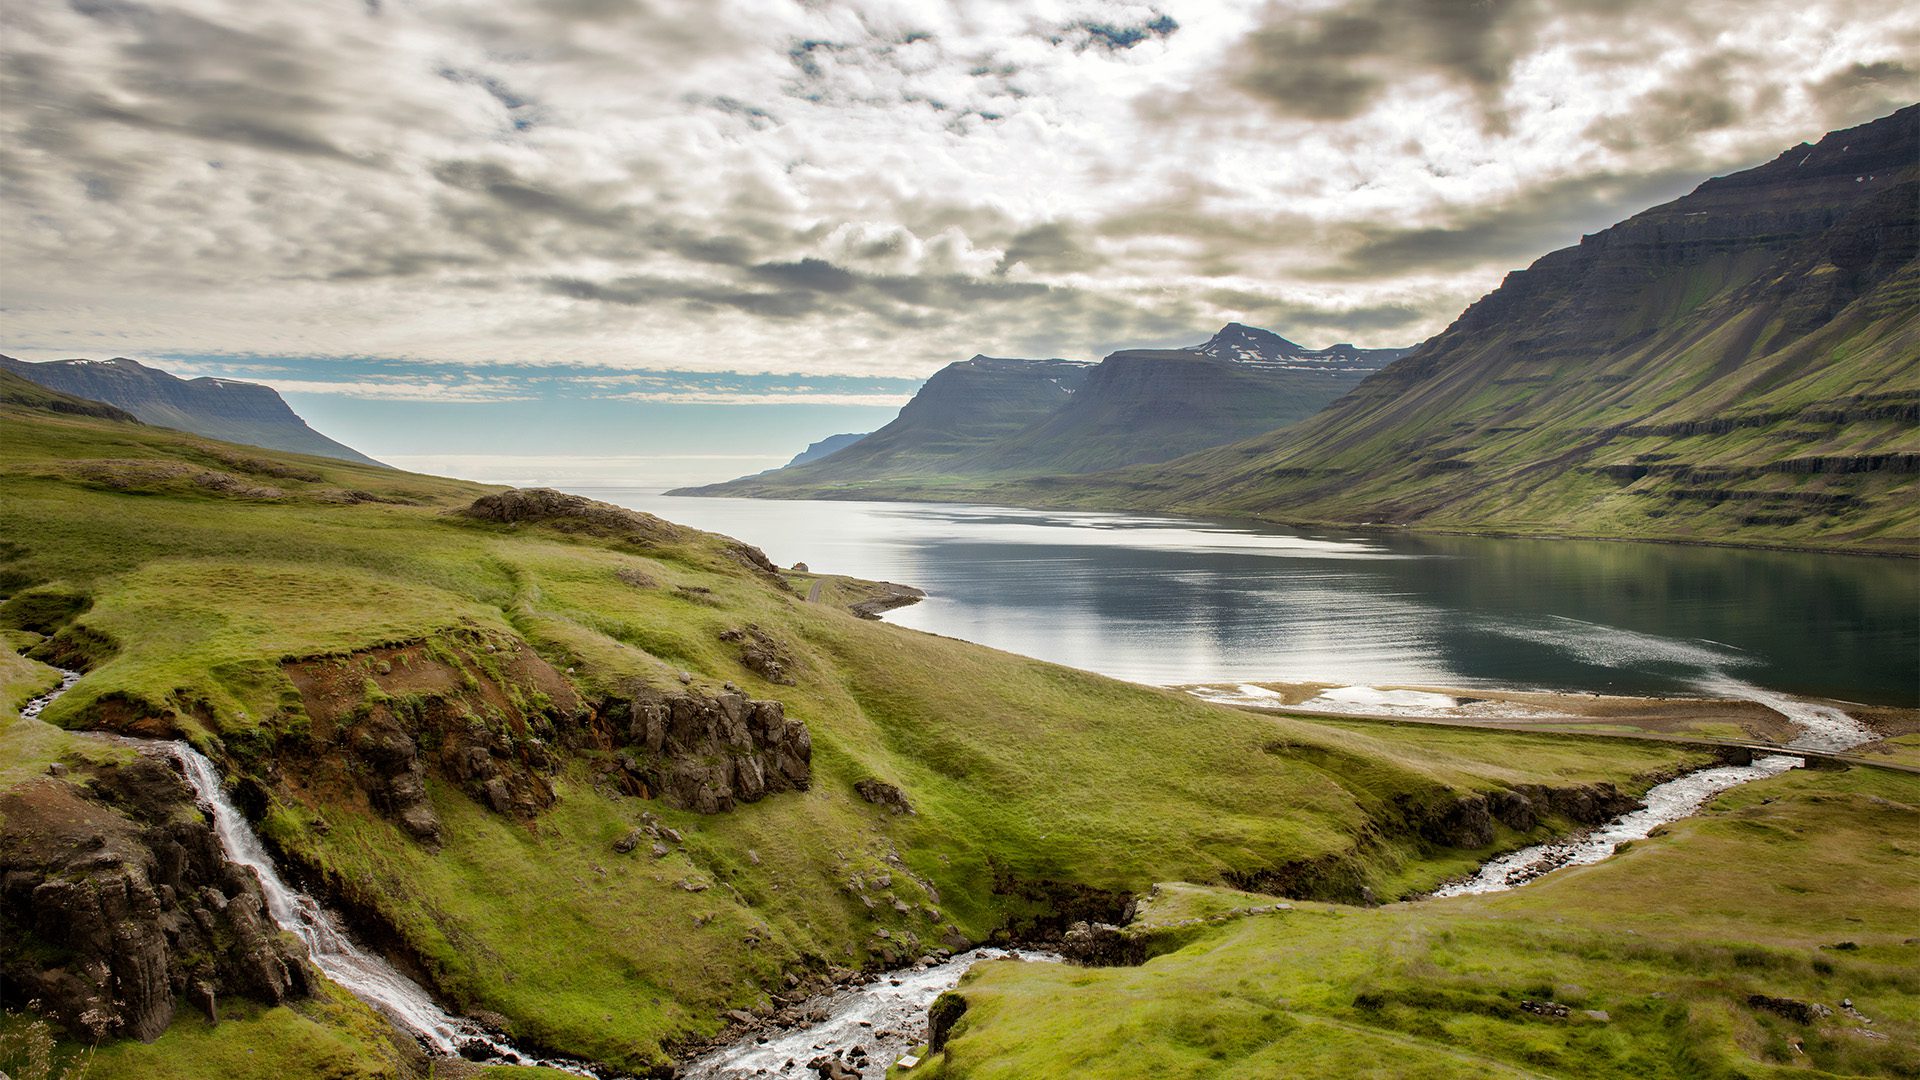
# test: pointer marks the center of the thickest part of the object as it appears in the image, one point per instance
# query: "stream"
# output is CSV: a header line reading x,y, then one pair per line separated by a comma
x,y
887,1017
368,976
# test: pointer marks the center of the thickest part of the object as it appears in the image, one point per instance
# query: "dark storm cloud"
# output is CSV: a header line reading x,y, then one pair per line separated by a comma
x,y
811,286
1332,64
1049,248
1514,231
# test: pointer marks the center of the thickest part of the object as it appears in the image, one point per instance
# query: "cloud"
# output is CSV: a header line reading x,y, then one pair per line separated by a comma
x,y
423,390
722,397
867,188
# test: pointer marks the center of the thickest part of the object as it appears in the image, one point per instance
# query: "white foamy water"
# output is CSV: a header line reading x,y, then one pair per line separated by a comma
x,y
1666,803
886,1017
34,708
366,975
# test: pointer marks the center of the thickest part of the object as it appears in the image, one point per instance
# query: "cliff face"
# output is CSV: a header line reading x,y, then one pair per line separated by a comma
x,y
115,897
1741,363
241,412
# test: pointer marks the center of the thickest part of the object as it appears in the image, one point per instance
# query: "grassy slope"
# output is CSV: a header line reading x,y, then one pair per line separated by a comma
x,y
1668,940
207,565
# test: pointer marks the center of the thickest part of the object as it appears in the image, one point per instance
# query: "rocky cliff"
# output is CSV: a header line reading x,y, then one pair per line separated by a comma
x,y
116,900
241,412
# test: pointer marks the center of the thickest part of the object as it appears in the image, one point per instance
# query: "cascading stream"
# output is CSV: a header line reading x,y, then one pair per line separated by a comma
x,y
366,975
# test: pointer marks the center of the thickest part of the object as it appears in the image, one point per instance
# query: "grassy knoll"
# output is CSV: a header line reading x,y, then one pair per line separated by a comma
x,y
1805,887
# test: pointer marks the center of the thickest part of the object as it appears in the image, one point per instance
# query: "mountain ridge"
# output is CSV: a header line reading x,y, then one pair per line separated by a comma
x,y
1135,405
1741,363
229,409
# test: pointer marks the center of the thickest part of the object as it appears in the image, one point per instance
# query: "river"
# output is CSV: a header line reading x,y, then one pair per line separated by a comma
x,y
1173,601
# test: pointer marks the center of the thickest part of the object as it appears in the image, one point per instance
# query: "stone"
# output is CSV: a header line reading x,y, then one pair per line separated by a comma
x,y
630,841
882,794
127,879
56,769
1798,1011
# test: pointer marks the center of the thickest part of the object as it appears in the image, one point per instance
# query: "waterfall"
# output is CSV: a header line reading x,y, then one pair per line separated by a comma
x,y
367,975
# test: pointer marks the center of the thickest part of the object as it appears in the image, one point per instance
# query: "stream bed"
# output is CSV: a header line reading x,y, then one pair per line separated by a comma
x,y
885,1018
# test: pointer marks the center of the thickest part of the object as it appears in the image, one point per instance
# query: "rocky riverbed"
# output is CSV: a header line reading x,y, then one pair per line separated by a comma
x,y
862,1030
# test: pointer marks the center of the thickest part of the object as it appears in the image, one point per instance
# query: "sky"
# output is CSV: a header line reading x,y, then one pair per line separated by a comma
x,y
675,240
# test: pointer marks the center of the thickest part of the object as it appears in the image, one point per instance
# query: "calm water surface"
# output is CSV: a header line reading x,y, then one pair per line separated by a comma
x,y
1176,600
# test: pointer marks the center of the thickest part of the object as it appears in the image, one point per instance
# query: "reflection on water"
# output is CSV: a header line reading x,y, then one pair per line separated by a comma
x,y
1168,600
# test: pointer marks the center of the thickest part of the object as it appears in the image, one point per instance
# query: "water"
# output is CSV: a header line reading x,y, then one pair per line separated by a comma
x,y
1177,600
1665,803
366,975
887,1017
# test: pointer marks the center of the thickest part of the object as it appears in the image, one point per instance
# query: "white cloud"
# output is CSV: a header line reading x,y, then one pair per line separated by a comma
x,y
412,179
777,397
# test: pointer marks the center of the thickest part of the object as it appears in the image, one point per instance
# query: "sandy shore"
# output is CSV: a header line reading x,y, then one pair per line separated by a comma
x,y
1717,718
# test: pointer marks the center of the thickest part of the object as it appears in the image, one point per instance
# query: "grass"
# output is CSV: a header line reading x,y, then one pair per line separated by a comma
x,y
1034,786
1665,941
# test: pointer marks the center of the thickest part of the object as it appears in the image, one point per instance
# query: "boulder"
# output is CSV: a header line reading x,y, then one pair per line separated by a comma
x,y
881,793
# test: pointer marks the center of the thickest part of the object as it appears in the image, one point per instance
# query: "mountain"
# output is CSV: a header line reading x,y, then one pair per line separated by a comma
x,y
1145,405
832,444
15,390
241,412
1252,345
968,426
1741,364
964,407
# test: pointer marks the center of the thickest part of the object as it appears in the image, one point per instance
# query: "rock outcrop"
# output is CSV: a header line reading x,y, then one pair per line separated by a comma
x,y
116,898
483,712
709,754
762,653
572,513
882,794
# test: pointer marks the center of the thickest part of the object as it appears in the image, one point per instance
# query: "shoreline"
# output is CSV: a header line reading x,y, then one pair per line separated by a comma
x,y
1199,514
1718,721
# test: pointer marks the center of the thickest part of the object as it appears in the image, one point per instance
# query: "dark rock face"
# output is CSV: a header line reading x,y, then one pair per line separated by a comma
x,y
1103,945
709,754
881,793
762,654
1800,1012
946,1011
481,712
116,897
572,513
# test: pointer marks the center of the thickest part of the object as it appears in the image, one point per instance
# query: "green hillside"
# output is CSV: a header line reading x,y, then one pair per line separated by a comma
x,y
431,695
1740,365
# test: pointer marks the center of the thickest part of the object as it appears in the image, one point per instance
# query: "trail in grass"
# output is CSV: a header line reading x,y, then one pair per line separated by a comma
x,y
885,1018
